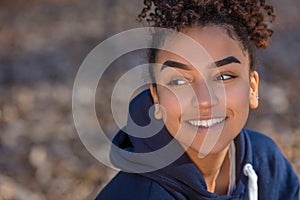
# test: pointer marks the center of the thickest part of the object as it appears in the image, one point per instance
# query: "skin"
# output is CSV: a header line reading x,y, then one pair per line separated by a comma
x,y
203,92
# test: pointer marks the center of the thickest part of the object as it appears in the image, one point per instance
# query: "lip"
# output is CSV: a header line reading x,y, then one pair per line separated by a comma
x,y
206,122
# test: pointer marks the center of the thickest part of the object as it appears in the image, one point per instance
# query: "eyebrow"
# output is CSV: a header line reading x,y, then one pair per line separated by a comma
x,y
226,61
219,63
170,63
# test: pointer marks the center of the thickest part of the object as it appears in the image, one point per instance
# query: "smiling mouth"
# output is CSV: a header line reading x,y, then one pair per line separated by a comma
x,y
206,123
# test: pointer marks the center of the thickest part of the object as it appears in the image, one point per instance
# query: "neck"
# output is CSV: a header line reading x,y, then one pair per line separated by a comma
x,y
214,168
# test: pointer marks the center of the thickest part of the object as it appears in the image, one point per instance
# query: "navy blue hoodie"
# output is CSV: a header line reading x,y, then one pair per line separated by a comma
x,y
181,179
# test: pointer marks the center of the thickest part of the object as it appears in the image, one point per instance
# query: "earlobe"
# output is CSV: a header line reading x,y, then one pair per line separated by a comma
x,y
254,102
157,110
253,96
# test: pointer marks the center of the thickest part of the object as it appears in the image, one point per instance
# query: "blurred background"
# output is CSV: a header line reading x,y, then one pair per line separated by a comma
x,y
42,45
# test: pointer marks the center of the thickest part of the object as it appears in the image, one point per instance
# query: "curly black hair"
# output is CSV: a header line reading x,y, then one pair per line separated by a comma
x,y
246,21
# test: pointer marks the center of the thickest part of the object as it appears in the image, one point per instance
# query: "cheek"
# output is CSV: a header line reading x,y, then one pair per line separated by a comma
x,y
169,102
172,109
237,98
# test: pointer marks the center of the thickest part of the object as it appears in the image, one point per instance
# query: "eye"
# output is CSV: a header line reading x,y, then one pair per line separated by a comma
x,y
225,77
177,82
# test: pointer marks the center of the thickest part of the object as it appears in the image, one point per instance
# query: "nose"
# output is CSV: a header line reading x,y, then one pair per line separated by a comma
x,y
204,97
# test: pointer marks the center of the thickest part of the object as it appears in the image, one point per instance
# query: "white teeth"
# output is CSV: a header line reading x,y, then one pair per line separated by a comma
x,y
206,123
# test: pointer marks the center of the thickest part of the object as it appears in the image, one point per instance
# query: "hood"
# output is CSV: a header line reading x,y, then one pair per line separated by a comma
x,y
160,157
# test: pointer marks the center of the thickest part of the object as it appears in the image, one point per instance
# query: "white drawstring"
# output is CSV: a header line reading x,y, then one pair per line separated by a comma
x,y
232,178
252,181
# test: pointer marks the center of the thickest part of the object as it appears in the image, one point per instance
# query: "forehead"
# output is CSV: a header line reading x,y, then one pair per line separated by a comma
x,y
213,40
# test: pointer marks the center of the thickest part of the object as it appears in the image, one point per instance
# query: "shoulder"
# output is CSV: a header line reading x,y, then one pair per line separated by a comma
x,y
265,150
261,143
275,173
128,186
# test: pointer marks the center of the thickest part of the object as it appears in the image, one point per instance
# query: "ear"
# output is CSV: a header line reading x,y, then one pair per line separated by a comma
x,y
253,96
157,112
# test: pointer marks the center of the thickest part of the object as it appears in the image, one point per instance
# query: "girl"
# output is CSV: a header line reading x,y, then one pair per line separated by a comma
x,y
204,106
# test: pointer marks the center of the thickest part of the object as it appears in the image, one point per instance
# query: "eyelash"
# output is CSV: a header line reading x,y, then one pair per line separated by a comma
x,y
183,81
176,82
225,77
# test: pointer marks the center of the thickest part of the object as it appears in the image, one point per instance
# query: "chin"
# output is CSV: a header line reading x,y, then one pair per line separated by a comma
x,y
209,150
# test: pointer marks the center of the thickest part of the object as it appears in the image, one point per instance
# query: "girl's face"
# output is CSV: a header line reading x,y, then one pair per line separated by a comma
x,y
208,104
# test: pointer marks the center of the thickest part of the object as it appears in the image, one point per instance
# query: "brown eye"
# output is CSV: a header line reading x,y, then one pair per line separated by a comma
x,y
177,82
224,77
